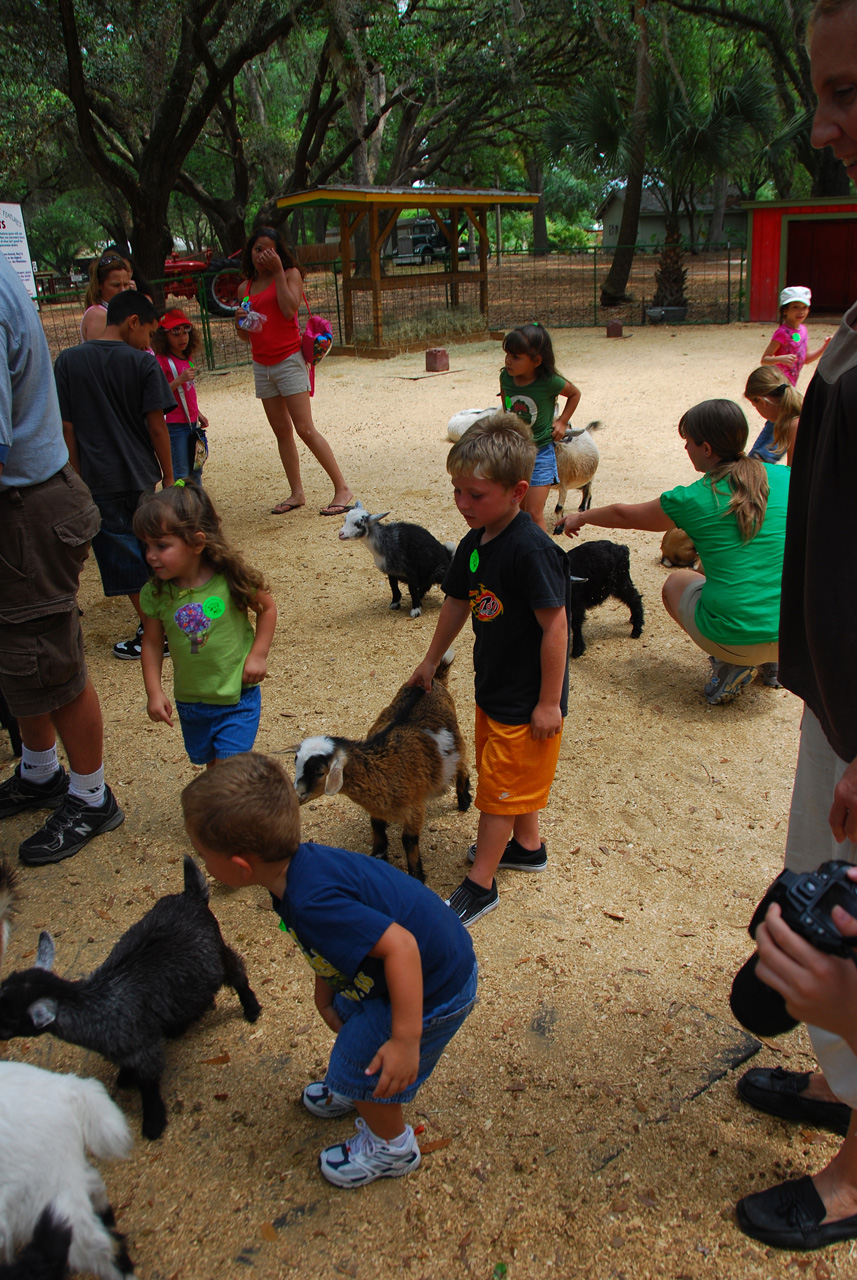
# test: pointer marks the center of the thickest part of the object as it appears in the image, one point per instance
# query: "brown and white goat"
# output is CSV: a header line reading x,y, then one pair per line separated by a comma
x,y
412,752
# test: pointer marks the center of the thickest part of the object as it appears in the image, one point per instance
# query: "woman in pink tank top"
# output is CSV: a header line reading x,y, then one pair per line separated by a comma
x,y
274,285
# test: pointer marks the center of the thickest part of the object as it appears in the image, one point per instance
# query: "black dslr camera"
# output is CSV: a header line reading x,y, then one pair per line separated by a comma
x,y
807,899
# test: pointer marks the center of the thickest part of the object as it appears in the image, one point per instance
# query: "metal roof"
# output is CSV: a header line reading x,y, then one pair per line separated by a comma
x,y
405,197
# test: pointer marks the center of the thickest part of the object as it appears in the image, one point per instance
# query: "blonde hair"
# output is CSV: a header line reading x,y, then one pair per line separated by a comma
x,y
244,805
99,270
722,425
767,383
499,448
184,510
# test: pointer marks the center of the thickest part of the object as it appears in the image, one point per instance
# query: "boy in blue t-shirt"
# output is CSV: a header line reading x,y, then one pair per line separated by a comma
x,y
395,970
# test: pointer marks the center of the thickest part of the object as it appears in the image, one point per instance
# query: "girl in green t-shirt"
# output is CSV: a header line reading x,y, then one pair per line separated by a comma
x,y
736,517
529,386
198,600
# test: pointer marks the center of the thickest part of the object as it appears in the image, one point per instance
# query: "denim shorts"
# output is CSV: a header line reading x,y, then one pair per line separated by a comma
x,y
214,732
118,551
544,467
369,1023
288,378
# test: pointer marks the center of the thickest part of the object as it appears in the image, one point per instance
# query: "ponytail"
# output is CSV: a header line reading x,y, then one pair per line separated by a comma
x,y
767,383
722,425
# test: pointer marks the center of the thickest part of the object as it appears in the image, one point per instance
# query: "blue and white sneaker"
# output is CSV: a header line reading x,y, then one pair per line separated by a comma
x,y
726,682
366,1157
325,1102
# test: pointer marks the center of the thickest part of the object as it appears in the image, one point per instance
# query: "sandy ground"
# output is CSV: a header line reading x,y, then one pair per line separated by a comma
x,y
584,1122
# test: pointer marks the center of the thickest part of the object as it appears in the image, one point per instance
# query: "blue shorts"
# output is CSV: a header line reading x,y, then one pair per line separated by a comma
x,y
544,467
117,549
369,1023
213,732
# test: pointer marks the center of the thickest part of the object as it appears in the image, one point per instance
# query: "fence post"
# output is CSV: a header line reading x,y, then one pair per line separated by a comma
x,y
728,283
595,284
336,292
205,323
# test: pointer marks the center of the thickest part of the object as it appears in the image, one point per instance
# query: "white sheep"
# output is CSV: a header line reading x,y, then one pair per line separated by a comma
x,y
47,1122
577,456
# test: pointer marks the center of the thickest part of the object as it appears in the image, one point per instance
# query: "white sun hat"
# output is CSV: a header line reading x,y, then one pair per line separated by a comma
x,y
796,293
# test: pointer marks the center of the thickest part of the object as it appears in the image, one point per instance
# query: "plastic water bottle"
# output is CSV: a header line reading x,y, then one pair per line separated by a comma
x,y
250,321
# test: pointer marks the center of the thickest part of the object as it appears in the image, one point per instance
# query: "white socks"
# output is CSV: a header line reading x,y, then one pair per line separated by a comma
x,y
39,767
88,787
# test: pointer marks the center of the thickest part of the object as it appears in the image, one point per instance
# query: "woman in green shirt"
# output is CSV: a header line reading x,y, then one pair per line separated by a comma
x,y
736,517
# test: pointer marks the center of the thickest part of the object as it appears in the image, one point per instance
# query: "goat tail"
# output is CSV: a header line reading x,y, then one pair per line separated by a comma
x,y
195,883
104,1127
444,665
595,425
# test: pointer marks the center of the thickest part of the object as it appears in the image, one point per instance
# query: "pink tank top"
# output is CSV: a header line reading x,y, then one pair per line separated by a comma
x,y
280,337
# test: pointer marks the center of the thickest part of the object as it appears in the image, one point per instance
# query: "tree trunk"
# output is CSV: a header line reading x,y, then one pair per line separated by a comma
x,y
613,290
718,215
536,181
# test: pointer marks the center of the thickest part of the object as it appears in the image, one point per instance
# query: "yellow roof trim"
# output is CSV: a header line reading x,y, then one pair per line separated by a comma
x,y
405,197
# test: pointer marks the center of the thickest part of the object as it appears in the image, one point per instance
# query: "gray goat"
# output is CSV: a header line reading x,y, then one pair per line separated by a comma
x,y
159,979
405,552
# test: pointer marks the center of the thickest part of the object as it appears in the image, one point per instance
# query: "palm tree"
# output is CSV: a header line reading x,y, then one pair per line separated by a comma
x,y
690,138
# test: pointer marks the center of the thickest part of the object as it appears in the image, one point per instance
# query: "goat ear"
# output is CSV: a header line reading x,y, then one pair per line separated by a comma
x,y
333,781
358,505
43,1012
375,519
45,952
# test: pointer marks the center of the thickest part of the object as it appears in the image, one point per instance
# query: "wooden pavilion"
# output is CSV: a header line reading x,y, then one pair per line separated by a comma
x,y
382,206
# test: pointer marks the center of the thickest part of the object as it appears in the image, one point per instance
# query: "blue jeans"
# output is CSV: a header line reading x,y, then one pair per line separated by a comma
x,y
369,1023
214,732
117,549
544,467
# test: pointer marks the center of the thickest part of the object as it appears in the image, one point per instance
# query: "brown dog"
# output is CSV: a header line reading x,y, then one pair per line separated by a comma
x,y
677,550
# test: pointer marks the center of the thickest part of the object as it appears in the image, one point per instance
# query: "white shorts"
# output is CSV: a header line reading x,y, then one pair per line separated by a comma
x,y
288,378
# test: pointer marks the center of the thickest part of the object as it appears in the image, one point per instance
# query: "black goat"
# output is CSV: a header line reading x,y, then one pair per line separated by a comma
x,y
159,979
605,570
405,552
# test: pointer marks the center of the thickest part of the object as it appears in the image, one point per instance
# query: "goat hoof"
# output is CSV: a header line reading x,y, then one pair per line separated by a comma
x,y
416,613
394,604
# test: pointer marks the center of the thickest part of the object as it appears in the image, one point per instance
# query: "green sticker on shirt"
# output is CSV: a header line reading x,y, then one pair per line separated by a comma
x,y
474,560
214,607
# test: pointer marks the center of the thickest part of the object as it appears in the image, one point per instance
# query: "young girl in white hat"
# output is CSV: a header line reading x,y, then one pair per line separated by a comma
x,y
787,348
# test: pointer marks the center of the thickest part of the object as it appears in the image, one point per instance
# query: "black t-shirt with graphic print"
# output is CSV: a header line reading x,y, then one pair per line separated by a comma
x,y
505,581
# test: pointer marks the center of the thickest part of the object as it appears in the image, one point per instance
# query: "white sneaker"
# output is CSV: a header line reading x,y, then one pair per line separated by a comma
x,y
366,1157
324,1102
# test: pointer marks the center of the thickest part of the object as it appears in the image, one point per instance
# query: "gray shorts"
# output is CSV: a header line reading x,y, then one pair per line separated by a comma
x,y
809,843
288,378
45,532
738,655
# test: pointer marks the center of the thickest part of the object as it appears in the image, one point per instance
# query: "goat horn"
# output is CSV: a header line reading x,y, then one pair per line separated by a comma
x,y
45,951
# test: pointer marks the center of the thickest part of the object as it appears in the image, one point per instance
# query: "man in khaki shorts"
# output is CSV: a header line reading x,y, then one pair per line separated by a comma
x,y
47,520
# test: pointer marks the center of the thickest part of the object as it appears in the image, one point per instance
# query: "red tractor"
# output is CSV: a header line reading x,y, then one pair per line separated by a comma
x,y
221,278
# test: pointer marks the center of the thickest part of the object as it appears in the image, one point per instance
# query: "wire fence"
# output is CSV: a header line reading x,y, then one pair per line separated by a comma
x,y
559,289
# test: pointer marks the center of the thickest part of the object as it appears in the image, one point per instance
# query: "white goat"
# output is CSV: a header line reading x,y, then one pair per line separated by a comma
x,y
47,1121
577,456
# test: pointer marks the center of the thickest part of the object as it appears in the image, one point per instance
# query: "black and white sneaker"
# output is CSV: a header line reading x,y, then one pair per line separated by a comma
x,y
128,650
517,858
70,828
470,901
17,794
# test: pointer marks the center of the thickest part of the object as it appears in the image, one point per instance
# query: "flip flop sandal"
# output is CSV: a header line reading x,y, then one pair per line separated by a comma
x,y
283,508
336,509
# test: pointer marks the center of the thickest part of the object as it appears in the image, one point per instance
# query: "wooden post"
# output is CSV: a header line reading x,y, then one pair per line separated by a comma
x,y
375,274
453,257
345,252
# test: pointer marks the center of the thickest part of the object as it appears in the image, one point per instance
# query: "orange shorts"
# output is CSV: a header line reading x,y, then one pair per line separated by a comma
x,y
515,771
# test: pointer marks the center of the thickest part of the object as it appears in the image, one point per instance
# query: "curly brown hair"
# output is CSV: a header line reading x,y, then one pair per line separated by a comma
x,y
161,346
185,510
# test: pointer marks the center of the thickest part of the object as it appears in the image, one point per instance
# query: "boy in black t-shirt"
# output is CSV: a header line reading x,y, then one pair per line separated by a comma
x,y
113,397
514,583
